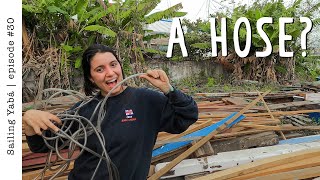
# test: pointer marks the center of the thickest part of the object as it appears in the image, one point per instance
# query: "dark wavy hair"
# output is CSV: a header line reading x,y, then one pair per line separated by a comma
x,y
88,54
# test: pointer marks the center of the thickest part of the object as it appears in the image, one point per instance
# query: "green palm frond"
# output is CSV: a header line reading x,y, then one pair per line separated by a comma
x,y
168,13
101,29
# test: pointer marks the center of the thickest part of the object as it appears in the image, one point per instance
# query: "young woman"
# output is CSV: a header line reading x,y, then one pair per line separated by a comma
x,y
134,116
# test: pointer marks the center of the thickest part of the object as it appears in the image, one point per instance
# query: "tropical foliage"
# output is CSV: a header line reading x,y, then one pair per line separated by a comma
x,y
68,27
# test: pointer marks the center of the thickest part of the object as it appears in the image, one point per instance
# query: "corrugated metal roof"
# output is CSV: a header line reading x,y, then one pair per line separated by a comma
x,y
160,27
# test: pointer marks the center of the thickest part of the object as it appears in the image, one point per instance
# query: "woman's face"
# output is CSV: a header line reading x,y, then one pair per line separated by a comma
x,y
106,72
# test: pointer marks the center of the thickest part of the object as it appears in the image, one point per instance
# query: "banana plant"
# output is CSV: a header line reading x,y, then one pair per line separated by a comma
x,y
125,27
74,24
61,24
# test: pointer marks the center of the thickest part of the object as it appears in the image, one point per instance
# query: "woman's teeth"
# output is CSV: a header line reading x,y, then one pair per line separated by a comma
x,y
112,83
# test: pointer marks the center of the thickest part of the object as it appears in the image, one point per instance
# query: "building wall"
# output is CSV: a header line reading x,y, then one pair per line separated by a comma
x,y
184,69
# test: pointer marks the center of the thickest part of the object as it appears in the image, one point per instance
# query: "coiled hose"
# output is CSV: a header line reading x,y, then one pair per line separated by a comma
x,y
66,138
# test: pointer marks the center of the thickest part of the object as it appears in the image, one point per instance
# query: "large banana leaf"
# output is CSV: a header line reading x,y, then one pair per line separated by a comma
x,y
81,6
55,9
168,13
101,29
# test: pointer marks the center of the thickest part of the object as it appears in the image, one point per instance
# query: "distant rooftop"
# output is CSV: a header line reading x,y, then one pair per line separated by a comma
x,y
160,27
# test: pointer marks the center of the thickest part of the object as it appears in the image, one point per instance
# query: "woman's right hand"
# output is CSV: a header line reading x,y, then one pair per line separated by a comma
x,y
35,121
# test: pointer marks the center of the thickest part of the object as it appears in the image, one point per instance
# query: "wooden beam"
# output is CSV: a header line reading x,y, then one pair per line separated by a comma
x,y
278,128
305,163
33,174
277,113
296,174
269,112
203,151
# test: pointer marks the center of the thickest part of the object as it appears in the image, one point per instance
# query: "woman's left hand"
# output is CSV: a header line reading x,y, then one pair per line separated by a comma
x,y
158,78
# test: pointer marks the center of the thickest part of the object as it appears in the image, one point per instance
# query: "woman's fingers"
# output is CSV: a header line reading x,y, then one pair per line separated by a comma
x,y
40,120
54,118
158,74
147,77
153,73
37,130
158,78
163,76
43,126
51,126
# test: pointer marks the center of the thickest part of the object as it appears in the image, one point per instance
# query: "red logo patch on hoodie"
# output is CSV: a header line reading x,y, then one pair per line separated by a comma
x,y
129,115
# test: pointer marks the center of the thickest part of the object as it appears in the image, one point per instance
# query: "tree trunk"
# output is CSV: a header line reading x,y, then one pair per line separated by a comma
x,y
25,37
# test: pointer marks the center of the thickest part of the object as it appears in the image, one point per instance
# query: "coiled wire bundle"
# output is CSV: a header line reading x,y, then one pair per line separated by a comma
x,y
73,134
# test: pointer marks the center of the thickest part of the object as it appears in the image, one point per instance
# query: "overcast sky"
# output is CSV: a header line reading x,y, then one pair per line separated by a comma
x,y
201,8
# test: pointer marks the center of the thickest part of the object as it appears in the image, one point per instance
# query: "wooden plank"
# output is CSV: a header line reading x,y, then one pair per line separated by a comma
x,y
205,103
33,174
203,151
151,170
268,109
235,101
262,121
305,163
187,153
277,113
278,128
193,176
262,164
42,158
294,104
297,174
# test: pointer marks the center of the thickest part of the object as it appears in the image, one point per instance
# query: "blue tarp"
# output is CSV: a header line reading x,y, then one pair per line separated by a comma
x,y
301,140
202,132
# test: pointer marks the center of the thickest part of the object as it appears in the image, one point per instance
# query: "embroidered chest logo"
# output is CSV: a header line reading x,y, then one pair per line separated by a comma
x,y
129,116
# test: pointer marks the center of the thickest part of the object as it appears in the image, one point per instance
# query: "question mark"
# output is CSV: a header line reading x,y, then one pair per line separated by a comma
x,y
304,33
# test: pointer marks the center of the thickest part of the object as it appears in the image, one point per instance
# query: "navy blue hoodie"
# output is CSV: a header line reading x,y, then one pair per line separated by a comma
x,y
130,128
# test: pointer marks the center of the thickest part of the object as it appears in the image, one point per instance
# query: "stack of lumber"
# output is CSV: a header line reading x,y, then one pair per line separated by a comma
x,y
290,88
256,129
192,168
249,95
253,123
297,165
312,86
